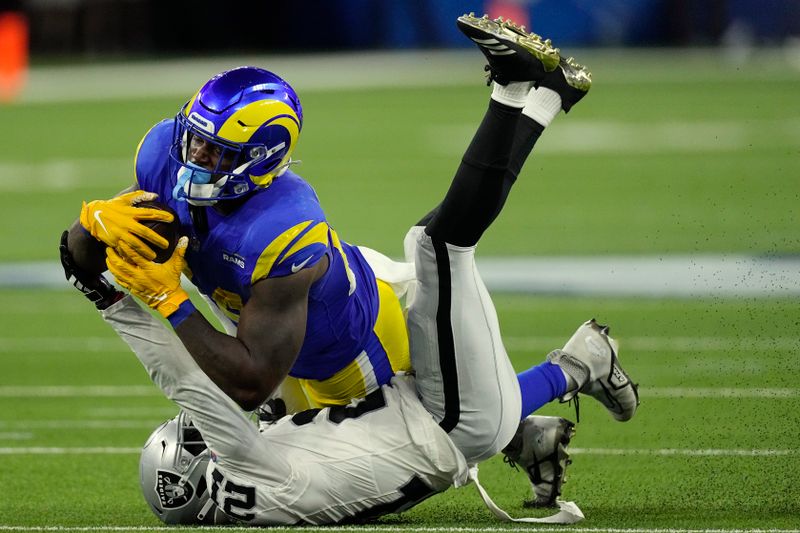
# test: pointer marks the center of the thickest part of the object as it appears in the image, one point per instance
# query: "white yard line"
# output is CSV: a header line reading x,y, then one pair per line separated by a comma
x,y
15,435
675,344
619,276
62,344
719,392
388,529
593,136
45,345
76,424
573,137
658,452
79,391
711,452
99,450
366,70
62,174
91,391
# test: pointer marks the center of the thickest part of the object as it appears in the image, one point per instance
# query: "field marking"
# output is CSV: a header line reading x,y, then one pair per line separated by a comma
x,y
576,136
15,435
112,344
97,450
77,424
721,392
61,174
655,452
364,70
104,391
677,344
592,136
379,528
618,276
79,391
712,452
168,410
63,344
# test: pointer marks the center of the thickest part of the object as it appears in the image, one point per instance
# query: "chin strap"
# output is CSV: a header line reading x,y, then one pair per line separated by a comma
x,y
568,513
207,507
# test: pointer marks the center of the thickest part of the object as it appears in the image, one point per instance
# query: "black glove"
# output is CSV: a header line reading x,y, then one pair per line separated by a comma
x,y
94,286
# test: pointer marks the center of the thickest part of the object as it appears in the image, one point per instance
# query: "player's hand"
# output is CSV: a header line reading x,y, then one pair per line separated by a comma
x,y
157,285
94,286
116,221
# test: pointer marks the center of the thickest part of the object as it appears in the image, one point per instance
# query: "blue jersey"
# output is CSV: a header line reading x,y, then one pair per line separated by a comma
x,y
355,335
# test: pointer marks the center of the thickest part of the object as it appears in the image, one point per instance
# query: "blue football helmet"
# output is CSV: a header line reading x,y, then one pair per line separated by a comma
x,y
251,120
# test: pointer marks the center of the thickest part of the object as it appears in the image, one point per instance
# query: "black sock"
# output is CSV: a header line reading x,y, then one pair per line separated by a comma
x,y
528,132
476,190
484,179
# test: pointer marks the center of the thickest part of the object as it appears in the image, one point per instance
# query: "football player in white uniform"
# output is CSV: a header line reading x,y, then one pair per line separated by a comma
x,y
419,434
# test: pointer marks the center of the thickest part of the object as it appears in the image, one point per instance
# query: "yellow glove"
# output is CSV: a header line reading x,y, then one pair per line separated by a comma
x,y
157,285
117,220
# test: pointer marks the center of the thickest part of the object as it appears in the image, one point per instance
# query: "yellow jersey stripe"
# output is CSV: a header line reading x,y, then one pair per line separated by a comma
x,y
271,253
317,234
351,278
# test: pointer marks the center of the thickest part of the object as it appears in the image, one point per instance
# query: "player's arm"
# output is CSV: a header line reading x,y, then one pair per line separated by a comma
x,y
272,326
250,366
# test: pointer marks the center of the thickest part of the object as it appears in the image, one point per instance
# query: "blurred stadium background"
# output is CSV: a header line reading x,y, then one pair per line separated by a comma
x,y
666,204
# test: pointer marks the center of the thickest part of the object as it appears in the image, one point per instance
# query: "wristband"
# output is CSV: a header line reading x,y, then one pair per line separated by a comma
x,y
182,313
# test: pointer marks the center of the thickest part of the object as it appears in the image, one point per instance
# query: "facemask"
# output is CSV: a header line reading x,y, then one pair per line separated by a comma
x,y
197,180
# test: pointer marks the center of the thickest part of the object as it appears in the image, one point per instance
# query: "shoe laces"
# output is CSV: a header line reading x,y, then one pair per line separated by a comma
x,y
490,75
510,462
574,401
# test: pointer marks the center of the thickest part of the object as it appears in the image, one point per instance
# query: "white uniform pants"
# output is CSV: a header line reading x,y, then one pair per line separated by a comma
x,y
464,377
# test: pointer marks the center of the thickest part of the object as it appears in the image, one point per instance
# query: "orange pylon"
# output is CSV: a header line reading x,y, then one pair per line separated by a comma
x,y
13,54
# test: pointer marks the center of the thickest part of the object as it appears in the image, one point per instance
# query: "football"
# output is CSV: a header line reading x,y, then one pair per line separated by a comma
x,y
169,230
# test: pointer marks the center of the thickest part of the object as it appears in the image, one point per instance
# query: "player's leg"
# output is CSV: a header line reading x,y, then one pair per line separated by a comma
x,y
467,346
476,191
516,63
463,373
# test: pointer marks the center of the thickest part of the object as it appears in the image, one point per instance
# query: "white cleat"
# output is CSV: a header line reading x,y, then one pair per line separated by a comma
x,y
540,447
590,357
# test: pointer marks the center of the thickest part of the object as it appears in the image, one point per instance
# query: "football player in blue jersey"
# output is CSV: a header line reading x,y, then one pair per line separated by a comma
x,y
407,439
294,298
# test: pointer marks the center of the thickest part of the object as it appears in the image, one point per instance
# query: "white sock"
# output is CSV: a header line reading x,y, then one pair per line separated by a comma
x,y
571,383
514,94
542,105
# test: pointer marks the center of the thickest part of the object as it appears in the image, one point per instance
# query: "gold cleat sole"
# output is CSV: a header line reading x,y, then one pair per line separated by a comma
x,y
506,30
577,75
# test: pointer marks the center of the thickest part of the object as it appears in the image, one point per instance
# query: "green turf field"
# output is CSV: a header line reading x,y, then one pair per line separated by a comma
x,y
668,154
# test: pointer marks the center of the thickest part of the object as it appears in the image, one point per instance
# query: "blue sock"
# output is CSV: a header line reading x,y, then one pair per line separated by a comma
x,y
541,385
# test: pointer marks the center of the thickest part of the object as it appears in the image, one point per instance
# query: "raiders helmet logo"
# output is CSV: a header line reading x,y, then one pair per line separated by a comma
x,y
172,494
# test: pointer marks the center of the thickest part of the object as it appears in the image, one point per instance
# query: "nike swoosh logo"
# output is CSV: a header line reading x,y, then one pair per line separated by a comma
x,y
99,221
297,267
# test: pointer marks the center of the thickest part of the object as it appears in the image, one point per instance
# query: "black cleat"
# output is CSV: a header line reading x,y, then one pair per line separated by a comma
x,y
570,80
540,447
513,54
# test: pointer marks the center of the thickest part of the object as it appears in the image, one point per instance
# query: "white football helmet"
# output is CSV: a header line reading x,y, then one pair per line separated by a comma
x,y
172,473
